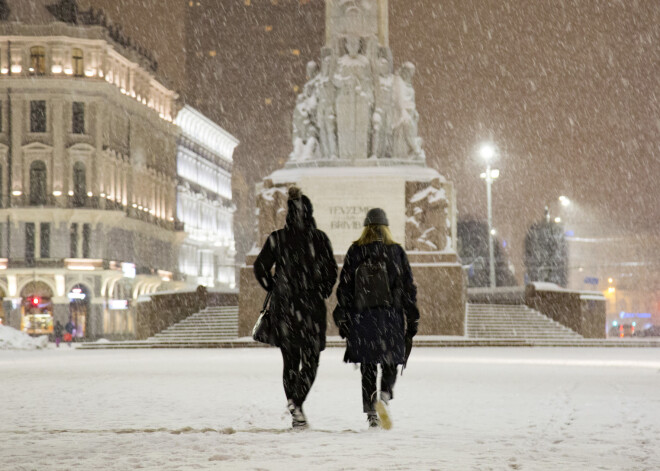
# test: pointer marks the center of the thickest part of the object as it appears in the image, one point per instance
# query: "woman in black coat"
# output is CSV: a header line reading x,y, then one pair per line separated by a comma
x,y
305,273
377,321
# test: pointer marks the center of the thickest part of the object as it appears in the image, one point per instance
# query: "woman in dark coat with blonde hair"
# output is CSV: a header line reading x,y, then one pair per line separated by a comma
x,y
377,318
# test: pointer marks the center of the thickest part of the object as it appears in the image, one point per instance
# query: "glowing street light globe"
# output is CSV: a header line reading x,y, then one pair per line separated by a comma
x,y
487,152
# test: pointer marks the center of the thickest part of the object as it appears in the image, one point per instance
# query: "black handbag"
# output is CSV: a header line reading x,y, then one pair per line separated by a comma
x,y
264,329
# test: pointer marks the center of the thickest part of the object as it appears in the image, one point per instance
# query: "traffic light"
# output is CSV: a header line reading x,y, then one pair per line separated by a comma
x,y
36,301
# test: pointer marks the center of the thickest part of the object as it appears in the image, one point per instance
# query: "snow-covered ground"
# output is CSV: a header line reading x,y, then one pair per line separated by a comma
x,y
455,409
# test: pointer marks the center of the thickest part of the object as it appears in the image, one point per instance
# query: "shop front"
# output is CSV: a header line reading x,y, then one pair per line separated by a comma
x,y
37,309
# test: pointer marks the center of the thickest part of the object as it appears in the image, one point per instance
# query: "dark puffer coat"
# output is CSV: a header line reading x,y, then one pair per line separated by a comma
x,y
305,273
377,335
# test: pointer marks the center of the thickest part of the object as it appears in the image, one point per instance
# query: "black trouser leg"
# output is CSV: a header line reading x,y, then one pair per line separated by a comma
x,y
291,360
369,388
388,379
299,373
308,368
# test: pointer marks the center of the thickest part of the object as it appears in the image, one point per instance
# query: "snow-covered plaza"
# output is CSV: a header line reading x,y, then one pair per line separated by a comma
x,y
454,409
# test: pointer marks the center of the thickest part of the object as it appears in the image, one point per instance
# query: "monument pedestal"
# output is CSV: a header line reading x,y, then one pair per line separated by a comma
x,y
419,204
441,295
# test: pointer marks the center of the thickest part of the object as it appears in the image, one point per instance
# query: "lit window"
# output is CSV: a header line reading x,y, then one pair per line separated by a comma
x,y
78,65
212,53
38,60
247,3
296,88
268,28
268,101
295,52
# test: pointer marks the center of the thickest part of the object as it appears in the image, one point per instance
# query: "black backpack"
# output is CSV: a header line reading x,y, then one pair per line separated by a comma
x,y
372,283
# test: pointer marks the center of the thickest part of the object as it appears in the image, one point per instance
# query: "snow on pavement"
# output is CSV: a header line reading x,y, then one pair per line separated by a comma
x,y
454,409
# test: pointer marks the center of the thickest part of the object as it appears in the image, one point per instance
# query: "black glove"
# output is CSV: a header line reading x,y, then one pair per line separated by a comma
x,y
344,329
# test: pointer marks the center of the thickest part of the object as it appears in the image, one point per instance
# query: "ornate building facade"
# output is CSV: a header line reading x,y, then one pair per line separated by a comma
x,y
204,201
88,179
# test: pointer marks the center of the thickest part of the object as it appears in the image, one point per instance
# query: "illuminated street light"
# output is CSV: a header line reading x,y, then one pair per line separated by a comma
x,y
487,152
564,201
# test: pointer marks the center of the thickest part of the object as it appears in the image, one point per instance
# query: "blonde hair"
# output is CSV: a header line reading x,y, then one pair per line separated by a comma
x,y
375,232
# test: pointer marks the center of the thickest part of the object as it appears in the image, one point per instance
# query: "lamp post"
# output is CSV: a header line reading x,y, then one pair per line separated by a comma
x,y
487,152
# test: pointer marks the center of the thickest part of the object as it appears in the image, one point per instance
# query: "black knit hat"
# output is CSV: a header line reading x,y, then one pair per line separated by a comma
x,y
376,216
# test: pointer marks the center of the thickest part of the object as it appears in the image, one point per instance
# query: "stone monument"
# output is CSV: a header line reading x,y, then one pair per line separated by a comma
x,y
356,146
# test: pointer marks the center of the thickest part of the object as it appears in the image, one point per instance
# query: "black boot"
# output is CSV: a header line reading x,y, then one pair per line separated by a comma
x,y
373,420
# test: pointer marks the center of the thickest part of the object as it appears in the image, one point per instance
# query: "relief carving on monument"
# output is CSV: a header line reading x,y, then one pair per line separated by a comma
x,y
428,222
271,207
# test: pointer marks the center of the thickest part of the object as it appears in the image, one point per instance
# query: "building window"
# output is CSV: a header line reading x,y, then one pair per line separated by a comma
x,y
78,64
38,60
73,240
44,240
1,115
38,116
38,183
87,233
79,185
29,243
78,117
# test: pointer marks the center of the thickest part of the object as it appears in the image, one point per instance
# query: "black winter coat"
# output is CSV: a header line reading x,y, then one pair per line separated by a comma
x,y
305,273
377,335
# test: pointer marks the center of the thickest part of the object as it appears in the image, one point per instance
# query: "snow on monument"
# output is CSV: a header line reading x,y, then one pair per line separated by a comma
x,y
355,145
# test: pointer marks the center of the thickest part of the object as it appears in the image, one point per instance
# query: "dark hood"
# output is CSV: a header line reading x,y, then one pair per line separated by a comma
x,y
300,214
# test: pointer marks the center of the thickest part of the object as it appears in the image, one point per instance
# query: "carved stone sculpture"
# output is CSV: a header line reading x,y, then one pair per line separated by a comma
x,y
327,118
355,100
380,139
356,109
406,143
428,223
305,129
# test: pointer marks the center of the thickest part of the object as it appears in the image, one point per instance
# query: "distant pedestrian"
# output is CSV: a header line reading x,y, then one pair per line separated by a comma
x,y
57,332
305,273
377,312
70,329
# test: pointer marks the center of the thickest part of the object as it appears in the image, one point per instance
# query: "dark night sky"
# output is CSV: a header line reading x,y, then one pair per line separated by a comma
x,y
568,90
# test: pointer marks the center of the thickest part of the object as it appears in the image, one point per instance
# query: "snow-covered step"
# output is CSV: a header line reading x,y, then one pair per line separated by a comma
x,y
212,324
513,321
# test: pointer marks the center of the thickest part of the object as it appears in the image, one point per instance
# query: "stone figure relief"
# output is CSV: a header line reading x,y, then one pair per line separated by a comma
x,y
355,99
428,221
380,139
271,206
305,127
406,143
327,118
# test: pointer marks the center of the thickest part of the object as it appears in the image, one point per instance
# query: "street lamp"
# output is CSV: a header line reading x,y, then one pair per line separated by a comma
x,y
487,152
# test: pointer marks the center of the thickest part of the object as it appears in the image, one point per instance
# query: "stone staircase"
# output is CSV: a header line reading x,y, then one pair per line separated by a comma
x,y
212,324
514,321
209,328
